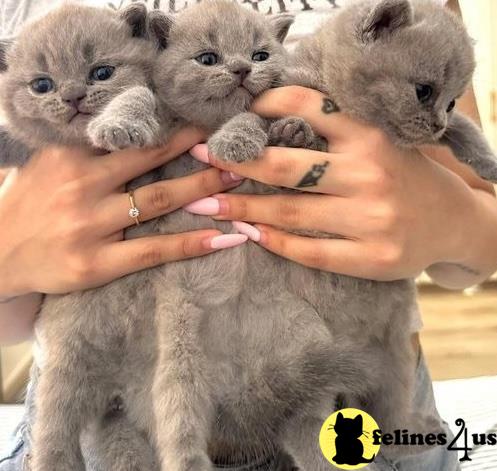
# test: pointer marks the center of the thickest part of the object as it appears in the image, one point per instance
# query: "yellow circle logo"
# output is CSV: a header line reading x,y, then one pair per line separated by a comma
x,y
346,439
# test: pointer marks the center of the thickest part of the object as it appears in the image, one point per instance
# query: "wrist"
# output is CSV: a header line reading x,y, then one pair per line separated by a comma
x,y
471,257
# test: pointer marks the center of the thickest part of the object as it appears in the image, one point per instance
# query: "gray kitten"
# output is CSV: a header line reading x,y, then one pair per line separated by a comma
x,y
232,356
399,66
254,349
56,77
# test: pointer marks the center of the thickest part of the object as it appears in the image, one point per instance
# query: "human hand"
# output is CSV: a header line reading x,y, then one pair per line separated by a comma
x,y
398,211
64,213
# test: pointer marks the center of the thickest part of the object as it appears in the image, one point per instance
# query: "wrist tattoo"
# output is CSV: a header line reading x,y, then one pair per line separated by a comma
x,y
329,106
467,269
312,177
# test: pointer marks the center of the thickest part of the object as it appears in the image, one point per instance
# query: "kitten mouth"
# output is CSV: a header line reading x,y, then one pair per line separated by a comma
x,y
78,114
438,135
238,88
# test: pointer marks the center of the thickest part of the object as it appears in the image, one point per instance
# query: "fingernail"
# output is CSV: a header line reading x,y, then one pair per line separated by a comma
x,y
235,177
9,180
203,207
200,153
263,234
227,241
230,177
250,231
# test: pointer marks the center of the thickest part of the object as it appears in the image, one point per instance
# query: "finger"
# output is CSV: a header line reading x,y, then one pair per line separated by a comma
x,y
304,169
133,255
162,198
306,212
311,105
122,166
347,257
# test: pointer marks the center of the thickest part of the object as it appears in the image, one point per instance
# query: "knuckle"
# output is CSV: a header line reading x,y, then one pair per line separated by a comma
x,y
390,256
158,155
315,257
74,230
378,181
281,170
81,269
295,98
289,214
151,256
188,248
71,195
238,209
386,218
160,199
376,138
207,184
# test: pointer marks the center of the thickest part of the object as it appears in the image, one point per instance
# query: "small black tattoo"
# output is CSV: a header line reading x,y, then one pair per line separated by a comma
x,y
329,106
312,177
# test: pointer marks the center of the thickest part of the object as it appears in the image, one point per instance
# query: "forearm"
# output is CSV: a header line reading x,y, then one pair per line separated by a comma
x,y
17,318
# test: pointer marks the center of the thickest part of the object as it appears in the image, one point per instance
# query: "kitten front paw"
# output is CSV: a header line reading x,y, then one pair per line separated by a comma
x,y
115,135
236,146
291,132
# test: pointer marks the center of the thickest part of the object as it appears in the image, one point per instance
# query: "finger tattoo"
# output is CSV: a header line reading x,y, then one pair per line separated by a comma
x,y
312,177
329,106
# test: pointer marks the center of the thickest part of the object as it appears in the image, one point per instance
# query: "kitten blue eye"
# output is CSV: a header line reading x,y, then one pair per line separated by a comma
x,y
103,72
42,85
207,58
452,104
424,92
260,56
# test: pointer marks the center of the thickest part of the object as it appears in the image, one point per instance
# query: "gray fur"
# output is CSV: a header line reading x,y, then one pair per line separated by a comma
x,y
222,357
369,57
65,46
129,120
75,46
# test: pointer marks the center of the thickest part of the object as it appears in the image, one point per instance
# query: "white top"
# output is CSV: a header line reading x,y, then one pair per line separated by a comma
x,y
309,13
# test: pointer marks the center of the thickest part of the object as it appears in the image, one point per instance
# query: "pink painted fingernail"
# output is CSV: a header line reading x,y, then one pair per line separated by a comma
x,y
200,153
250,231
227,241
204,207
230,177
235,177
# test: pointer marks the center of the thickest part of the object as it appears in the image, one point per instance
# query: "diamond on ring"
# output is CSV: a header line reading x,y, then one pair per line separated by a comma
x,y
134,213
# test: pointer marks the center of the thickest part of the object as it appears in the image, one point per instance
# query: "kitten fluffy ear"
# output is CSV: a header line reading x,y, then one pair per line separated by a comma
x,y
4,47
159,26
136,17
384,18
281,24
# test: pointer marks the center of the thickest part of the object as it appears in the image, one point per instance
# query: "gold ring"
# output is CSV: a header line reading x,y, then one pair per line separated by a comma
x,y
134,212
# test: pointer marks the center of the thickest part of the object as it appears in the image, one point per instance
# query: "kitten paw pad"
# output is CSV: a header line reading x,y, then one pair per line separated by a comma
x,y
291,132
236,146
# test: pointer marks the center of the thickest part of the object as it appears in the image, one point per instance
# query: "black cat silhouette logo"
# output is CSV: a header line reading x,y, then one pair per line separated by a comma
x,y
346,439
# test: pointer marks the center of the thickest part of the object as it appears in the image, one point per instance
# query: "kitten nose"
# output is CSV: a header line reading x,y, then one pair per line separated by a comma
x,y
74,100
437,127
242,72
